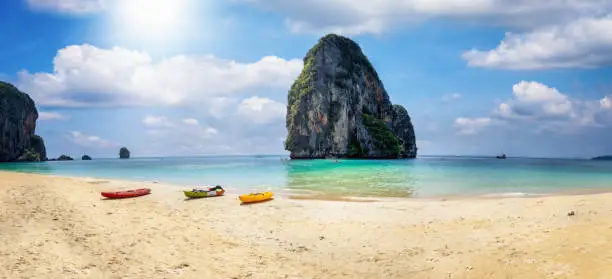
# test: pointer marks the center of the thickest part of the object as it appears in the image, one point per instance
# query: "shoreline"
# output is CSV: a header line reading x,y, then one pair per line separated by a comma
x,y
359,198
58,227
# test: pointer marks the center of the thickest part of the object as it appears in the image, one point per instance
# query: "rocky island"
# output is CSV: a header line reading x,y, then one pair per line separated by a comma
x,y
64,157
124,153
339,107
18,115
603,158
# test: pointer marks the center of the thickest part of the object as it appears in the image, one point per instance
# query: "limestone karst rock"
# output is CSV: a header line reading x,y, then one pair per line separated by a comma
x,y
18,115
338,106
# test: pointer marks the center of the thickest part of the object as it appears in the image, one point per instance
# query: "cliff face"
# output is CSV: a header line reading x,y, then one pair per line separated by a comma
x,y
339,107
18,116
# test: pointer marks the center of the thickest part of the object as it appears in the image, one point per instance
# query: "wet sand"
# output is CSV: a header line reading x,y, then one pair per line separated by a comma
x,y
53,227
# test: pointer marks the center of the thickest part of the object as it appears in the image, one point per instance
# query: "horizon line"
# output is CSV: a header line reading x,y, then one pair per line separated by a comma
x,y
282,155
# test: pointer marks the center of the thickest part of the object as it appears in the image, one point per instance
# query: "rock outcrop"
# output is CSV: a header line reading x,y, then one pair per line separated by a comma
x,y
85,158
64,158
18,117
339,107
603,158
124,153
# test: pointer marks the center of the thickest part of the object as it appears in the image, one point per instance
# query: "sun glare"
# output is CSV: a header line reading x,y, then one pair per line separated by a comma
x,y
148,22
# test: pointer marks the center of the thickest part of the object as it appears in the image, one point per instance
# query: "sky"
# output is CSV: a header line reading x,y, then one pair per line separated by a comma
x,y
191,78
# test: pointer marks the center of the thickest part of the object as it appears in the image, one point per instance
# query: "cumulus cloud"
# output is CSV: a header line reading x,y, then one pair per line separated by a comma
x,y
584,43
85,75
533,100
375,17
536,101
261,110
88,140
545,34
47,115
605,103
541,108
67,6
471,126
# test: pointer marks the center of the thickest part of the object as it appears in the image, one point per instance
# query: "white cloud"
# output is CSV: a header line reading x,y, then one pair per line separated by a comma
x,y
190,121
67,6
535,92
188,134
451,97
540,108
88,140
533,100
375,17
584,43
85,75
261,110
471,126
218,107
606,103
44,115
545,34
161,125
157,121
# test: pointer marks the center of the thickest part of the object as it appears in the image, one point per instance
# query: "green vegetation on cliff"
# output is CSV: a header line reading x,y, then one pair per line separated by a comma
x,y
303,85
325,105
37,144
384,140
30,155
352,57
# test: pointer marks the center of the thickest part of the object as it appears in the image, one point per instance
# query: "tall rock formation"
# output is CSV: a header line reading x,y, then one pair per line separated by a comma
x,y
18,117
339,107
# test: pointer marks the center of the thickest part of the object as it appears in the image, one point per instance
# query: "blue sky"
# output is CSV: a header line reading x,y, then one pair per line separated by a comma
x,y
186,77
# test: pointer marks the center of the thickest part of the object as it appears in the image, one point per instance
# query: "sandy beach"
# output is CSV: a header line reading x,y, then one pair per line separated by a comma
x,y
54,227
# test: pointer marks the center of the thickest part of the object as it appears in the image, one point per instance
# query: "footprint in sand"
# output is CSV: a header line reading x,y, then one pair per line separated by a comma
x,y
414,251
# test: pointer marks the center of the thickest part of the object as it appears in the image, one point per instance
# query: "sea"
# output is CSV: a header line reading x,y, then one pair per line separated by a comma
x,y
424,177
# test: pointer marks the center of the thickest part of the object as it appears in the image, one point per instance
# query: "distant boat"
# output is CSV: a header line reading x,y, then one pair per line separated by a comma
x,y
503,156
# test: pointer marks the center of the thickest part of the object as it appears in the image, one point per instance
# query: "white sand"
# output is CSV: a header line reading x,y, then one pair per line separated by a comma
x,y
52,227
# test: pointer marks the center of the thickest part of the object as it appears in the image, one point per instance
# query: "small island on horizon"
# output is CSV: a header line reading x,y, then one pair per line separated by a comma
x,y
603,158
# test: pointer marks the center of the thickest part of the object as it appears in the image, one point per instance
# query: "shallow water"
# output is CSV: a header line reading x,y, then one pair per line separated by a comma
x,y
422,177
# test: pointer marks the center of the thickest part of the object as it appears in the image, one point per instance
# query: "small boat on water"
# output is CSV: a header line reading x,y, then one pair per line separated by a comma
x,y
503,156
255,197
126,194
203,193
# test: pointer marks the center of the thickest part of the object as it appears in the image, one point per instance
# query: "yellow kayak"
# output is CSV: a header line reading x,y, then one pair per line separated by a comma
x,y
255,197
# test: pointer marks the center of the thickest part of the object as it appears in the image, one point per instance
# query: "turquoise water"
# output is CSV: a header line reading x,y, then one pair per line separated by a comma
x,y
422,177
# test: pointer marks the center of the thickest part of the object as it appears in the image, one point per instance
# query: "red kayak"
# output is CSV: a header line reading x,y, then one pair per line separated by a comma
x,y
126,194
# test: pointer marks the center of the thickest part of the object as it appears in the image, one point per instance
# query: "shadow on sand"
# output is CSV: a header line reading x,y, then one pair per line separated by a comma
x,y
201,198
258,202
123,198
